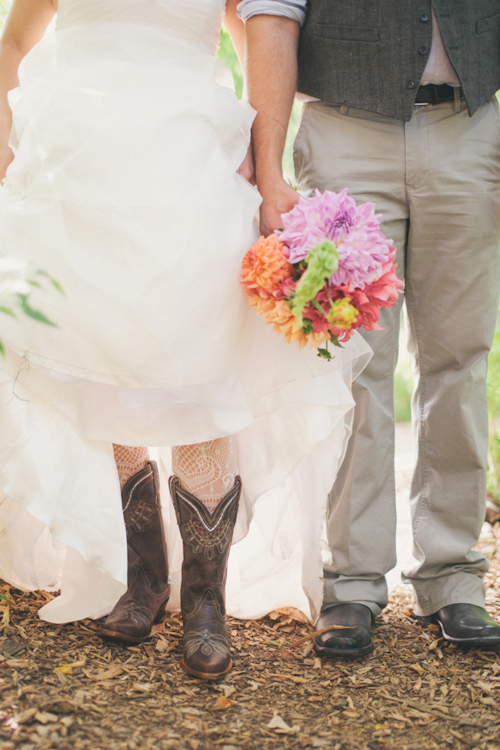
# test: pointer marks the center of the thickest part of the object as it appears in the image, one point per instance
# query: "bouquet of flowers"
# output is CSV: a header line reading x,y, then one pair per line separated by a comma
x,y
326,273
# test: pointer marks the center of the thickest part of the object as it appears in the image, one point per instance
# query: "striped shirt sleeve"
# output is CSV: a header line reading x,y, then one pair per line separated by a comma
x,y
294,9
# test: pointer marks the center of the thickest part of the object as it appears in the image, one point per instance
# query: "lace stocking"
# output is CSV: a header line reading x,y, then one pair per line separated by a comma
x,y
207,470
129,461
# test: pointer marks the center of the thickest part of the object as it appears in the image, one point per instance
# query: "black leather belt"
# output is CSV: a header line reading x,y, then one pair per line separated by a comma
x,y
435,93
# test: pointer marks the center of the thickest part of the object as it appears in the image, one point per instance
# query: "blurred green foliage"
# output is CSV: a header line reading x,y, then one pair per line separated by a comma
x,y
4,9
227,54
403,387
494,411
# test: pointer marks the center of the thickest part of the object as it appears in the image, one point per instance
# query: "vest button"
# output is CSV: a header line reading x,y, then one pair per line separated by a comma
x,y
422,50
410,85
424,17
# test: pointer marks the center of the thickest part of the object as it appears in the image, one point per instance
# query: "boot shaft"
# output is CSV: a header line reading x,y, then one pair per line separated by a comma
x,y
207,541
147,552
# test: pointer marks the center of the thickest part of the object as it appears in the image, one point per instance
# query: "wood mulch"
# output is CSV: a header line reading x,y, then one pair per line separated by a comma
x,y
62,687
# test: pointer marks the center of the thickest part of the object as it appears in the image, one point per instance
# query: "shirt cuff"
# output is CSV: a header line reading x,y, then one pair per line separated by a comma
x,y
294,9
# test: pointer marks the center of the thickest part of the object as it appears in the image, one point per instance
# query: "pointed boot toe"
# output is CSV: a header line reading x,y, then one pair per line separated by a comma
x,y
147,573
207,540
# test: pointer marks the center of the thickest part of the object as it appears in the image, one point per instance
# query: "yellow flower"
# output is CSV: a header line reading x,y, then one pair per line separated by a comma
x,y
342,314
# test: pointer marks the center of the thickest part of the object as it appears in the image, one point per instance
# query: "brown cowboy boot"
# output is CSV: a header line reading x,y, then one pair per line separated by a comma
x,y
148,588
207,539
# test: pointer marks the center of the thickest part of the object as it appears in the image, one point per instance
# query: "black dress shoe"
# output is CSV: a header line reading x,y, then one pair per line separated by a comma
x,y
468,625
353,639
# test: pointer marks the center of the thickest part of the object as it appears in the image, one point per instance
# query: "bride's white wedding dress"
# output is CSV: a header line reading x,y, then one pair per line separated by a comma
x,y
124,188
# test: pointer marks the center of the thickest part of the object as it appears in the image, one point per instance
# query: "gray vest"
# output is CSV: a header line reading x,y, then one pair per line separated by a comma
x,y
371,53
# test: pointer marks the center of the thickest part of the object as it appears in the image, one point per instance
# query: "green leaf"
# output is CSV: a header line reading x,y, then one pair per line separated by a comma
x,y
318,307
8,311
31,313
4,597
335,341
32,282
2,350
324,353
57,286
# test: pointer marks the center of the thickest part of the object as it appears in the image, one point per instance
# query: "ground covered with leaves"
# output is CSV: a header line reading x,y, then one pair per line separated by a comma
x,y
62,687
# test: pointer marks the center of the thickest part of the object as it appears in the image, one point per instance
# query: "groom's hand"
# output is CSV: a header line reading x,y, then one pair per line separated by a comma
x,y
278,198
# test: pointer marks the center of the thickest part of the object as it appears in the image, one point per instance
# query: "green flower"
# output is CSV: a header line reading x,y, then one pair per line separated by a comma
x,y
322,260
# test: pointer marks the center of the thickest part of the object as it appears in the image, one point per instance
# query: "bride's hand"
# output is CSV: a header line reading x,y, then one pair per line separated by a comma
x,y
247,167
6,157
6,153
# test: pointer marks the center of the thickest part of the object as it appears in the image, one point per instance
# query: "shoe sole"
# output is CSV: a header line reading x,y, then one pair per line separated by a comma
x,y
349,652
115,635
467,641
206,675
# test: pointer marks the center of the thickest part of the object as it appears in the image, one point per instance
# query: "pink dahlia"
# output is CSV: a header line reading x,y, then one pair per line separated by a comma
x,y
355,230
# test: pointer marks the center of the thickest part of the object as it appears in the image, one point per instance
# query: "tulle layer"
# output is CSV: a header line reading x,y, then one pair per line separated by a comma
x,y
61,525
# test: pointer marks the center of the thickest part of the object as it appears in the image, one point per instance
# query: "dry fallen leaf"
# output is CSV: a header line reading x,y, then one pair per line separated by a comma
x,y
162,645
140,687
15,663
399,717
417,668
107,674
294,614
281,726
222,703
313,635
4,611
25,716
44,717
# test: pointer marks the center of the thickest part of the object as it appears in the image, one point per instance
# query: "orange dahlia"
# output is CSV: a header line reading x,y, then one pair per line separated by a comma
x,y
265,266
279,315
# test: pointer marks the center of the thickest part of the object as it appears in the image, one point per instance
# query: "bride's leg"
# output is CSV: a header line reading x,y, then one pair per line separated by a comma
x,y
147,576
129,461
207,470
205,491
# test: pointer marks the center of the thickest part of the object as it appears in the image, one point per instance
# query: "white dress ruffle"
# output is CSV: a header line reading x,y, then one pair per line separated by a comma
x,y
124,188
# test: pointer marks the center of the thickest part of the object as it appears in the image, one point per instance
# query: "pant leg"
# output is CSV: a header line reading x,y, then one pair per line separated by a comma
x,y
452,284
450,168
366,153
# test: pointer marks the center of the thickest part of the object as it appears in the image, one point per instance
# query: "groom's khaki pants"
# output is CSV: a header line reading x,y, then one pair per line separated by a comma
x,y
436,181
